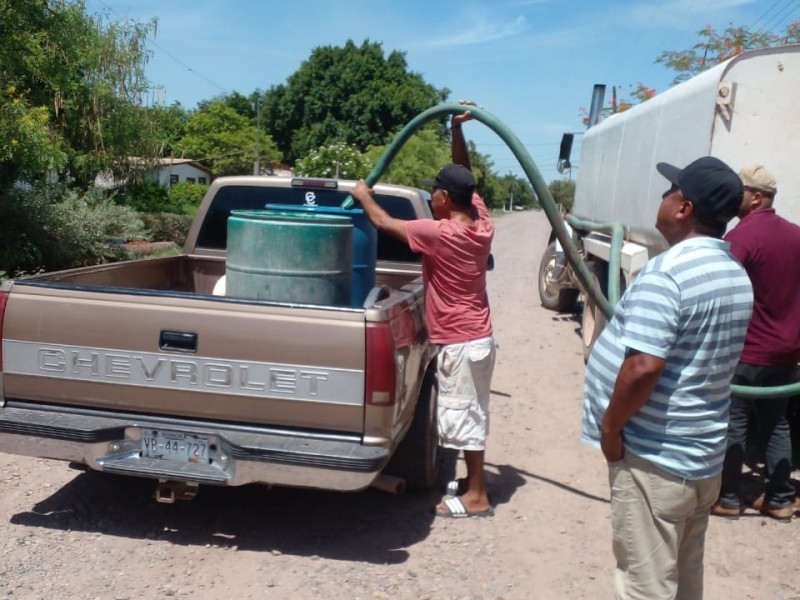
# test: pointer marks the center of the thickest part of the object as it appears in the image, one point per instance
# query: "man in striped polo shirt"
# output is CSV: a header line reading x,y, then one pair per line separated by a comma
x,y
657,386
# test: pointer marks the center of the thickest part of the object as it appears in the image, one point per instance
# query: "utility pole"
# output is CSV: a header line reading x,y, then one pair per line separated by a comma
x,y
257,163
511,195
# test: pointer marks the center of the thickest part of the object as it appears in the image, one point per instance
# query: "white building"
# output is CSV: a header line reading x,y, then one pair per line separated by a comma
x,y
175,170
166,171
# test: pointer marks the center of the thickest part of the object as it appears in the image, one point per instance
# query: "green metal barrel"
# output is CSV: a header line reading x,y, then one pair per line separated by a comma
x,y
297,258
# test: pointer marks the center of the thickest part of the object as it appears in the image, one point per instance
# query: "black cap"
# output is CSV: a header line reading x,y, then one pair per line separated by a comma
x,y
456,179
712,187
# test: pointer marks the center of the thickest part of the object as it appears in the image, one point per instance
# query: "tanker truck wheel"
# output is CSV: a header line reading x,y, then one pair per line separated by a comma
x,y
417,457
593,320
553,297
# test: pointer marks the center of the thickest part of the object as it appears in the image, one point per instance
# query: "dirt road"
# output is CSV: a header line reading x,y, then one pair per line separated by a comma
x,y
66,534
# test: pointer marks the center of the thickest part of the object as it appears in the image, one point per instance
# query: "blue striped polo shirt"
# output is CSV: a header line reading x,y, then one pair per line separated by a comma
x,y
689,306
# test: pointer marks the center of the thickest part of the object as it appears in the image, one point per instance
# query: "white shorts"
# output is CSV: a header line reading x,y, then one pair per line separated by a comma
x,y
465,376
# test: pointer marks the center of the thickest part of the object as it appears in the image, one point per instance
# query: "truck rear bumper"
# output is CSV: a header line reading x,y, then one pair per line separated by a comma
x,y
237,455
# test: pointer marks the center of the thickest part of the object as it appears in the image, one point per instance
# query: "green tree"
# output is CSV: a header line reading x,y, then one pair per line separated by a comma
x,y
426,152
421,157
225,141
169,126
513,190
563,193
488,185
712,48
244,105
715,47
27,146
336,161
70,104
351,94
86,75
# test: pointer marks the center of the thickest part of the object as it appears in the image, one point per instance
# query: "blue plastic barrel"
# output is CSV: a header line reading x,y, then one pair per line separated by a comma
x,y
365,245
298,258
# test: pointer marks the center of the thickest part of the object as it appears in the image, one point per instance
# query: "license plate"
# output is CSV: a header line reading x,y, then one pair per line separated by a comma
x,y
174,445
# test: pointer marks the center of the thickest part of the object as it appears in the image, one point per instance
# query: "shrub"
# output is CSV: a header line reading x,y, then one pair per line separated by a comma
x,y
147,197
81,227
165,227
50,227
150,197
187,196
21,217
338,160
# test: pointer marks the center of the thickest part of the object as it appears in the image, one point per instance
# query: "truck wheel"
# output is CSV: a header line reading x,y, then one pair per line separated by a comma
x,y
593,322
417,457
554,297
594,319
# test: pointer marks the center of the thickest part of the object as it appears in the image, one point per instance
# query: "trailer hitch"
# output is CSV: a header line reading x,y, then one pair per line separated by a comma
x,y
167,492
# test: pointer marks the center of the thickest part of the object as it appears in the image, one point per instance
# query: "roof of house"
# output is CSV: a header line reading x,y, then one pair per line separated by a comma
x,y
169,161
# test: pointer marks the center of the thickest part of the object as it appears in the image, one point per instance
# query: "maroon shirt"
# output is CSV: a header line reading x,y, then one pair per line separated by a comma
x,y
768,246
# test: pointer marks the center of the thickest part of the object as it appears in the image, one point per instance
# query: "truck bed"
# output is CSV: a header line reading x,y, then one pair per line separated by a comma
x,y
191,274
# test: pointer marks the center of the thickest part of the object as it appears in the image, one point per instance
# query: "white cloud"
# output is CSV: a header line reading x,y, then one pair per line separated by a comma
x,y
480,32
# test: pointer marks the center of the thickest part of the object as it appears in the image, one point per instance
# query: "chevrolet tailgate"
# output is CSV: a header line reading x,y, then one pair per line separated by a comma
x,y
183,356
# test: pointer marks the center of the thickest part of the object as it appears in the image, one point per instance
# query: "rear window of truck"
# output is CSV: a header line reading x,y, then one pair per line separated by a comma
x,y
214,232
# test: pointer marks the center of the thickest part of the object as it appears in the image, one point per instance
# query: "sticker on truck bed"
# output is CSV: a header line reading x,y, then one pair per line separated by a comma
x,y
158,370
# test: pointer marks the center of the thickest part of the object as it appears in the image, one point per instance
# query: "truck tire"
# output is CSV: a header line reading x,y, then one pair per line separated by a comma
x,y
552,296
417,457
594,320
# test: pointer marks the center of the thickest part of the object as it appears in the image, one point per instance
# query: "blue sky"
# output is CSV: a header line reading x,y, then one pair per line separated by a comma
x,y
531,63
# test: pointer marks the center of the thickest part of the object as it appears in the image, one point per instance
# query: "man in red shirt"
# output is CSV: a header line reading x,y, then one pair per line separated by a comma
x,y
455,248
767,246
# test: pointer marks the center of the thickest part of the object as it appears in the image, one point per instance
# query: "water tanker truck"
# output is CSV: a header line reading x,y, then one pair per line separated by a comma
x,y
743,110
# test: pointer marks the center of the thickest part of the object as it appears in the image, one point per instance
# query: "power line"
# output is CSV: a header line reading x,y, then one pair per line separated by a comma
x,y
190,69
780,18
152,41
765,13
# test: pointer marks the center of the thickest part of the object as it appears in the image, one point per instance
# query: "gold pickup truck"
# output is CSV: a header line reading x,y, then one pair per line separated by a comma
x,y
137,368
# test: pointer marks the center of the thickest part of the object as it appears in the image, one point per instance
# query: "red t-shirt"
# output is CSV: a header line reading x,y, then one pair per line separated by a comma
x,y
454,273
768,247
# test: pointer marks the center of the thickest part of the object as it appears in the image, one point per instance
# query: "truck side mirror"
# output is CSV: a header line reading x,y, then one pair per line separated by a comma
x,y
564,153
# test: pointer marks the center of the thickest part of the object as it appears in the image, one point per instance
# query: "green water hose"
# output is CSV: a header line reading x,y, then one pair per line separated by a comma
x,y
588,281
778,391
617,232
586,278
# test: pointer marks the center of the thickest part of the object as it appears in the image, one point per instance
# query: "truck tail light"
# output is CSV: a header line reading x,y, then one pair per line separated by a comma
x,y
381,370
3,300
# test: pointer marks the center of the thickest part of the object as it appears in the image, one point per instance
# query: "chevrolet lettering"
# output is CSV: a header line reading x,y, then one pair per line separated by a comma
x,y
202,375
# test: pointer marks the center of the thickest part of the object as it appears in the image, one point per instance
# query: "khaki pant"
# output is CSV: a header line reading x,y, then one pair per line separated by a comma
x,y
659,525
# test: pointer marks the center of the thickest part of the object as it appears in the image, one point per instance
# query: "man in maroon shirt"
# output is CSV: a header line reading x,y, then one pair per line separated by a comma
x,y
768,247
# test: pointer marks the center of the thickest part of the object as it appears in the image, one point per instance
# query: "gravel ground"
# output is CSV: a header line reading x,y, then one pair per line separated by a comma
x,y
70,534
